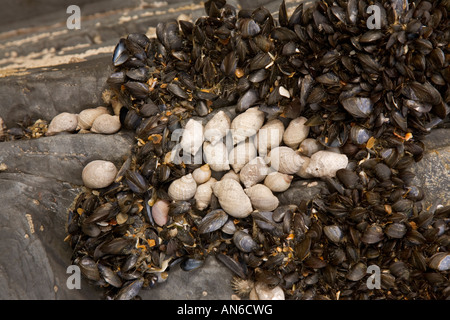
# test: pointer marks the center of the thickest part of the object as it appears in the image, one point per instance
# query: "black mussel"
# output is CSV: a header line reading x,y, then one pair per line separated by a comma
x,y
246,100
329,79
336,256
109,275
373,234
314,263
177,91
415,237
117,78
136,182
357,272
88,268
382,171
179,207
333,232
130,262
359,107
244,241
395,230
132,120
258,76
248,28
213,221
371,36
302,249
137,89
191,264
130,290
400,270
121,54
138,74
359,135
91,230
440,261
117,246
232,264
348,177
104,212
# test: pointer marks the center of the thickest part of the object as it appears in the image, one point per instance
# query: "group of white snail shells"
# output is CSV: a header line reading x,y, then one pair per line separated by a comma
x,y
96,120
258,158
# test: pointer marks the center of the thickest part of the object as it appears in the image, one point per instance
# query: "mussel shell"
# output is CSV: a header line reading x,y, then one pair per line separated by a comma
x,y
357,272
213,221
190,264
130,290
395,230
244,241
373,234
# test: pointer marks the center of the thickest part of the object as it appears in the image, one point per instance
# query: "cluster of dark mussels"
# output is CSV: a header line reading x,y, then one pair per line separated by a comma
x,y
370,94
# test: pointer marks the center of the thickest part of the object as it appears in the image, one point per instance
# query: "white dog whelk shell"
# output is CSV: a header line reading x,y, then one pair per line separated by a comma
x,y
203,194
183,188
87,116
232,198
106,124
269,136
285,160
192,139
262,198
325,164
296,132
63,122
217,127
98,174
278,182
241,155
202,174
216,156
246,124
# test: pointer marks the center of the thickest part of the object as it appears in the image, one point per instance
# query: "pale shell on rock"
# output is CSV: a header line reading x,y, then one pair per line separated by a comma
x,y
216,156
262,291
262,198
183,188
106,124
87,116
98,174
160,212
246,124
296,132
192,139
285,160
63,122
202,174
204,193
217,127
269,136
232,198
241,154
326,163
278,182
253,172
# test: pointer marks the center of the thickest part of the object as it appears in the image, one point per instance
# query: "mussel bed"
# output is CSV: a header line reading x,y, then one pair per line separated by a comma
x,y
374,94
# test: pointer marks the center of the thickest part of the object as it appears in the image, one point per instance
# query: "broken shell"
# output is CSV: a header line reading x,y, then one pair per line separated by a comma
x,y
325,164
232,198
160,212
204,193
440,261
262,291
278,182
217,127
183,188
253,172
202,174
63,122
192,139
106,124
86,117
246,124
309,146
270,136
285,160
241,155
296,132
262,198
216,156
98,174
